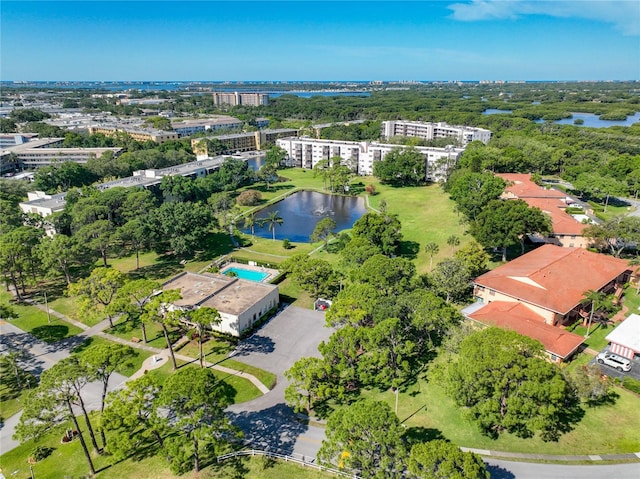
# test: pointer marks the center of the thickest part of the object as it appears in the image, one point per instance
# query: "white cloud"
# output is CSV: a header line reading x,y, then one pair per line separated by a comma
x,y
623,14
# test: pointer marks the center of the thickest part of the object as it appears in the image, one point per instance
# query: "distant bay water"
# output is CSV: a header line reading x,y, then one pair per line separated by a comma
x,y
588,119
195,87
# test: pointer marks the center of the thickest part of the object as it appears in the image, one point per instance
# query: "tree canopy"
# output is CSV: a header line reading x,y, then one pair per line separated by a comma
x,y
505,385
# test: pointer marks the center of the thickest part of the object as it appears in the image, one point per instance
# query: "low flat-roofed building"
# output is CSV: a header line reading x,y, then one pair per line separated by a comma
x,y
241,303
43,204
625,338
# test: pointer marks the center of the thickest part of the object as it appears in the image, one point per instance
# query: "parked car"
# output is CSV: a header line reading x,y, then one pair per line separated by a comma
x,y
613,360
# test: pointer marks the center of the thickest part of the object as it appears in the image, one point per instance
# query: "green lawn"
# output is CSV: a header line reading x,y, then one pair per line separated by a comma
x,y
35,321
131,329
237,389
597,334
427,215
67,460
133,364
429,413
265,377
214,350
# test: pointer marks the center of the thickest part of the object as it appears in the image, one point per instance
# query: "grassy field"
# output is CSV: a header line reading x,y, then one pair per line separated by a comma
x,y
35,321
131,329
265,377
429,413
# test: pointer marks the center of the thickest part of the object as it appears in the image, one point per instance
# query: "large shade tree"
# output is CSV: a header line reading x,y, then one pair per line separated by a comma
x,y
505,385
504,223
195,401
365,437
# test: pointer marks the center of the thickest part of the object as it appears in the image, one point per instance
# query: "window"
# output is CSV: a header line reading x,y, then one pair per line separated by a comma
x,y
492,292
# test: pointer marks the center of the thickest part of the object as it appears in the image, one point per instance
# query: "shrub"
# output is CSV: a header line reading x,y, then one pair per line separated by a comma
x,y
370,189
286,244
41,452
631,384
249,198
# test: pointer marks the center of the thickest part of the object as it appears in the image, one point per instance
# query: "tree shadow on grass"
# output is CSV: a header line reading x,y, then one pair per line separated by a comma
x,y
419,434
167,265
409,249
50,333
272,187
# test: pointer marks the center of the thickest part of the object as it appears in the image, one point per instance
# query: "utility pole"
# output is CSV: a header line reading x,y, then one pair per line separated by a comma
x,y
46,305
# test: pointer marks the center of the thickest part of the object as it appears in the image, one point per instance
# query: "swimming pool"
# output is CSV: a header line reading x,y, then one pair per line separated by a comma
x,y
249,274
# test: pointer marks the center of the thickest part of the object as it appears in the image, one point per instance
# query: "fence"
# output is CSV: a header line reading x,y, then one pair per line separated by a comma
x,y
301,460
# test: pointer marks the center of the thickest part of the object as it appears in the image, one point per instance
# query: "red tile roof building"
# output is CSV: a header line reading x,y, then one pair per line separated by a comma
x,y
567,230
542,290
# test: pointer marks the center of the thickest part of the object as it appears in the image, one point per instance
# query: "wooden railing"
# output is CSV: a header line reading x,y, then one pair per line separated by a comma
x,y
300,459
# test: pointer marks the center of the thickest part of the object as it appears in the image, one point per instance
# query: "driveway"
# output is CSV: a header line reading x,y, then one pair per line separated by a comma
x,y
268,423
634,372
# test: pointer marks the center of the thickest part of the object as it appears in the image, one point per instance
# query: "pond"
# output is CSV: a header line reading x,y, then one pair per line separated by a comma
x,y
302,210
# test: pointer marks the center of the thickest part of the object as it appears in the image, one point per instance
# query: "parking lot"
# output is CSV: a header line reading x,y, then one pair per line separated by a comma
x,y
634,372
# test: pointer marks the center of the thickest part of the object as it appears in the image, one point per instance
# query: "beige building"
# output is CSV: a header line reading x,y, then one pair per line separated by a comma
x,y
242,142
136,133
241,303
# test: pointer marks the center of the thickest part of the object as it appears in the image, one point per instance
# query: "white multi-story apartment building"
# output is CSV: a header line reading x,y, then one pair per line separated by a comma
x,y
236,98
431,131
360,156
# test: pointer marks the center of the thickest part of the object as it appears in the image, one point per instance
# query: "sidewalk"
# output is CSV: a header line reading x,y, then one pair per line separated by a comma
x,y
633,456
98,330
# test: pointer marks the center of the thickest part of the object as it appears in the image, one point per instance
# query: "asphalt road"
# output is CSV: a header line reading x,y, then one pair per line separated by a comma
x,y
526,470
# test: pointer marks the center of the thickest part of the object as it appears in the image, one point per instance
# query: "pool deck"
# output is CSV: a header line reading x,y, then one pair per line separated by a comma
x,y
272,273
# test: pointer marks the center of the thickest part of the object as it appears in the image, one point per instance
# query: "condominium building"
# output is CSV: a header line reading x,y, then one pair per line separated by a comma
x,y
242,142
432,131
190,127
40,152
236,99
360,156
137,134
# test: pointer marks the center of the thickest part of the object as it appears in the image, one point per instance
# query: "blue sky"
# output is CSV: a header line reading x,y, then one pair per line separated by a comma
x,y
330,40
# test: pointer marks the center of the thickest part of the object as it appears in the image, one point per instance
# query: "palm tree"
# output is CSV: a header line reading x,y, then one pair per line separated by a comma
x,y
432,250
596,299
272,220
250,222
453,241
202,318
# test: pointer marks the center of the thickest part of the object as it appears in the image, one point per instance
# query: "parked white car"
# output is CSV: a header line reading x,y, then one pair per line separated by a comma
x,y
613,360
